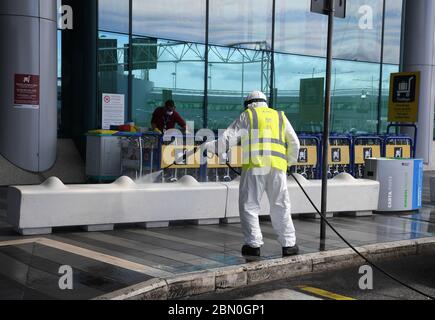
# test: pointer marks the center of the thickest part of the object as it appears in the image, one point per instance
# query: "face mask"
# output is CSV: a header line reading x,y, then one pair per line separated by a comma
x,y
170,113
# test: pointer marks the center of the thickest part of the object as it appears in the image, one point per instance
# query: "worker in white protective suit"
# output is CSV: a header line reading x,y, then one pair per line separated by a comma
x,y
270,145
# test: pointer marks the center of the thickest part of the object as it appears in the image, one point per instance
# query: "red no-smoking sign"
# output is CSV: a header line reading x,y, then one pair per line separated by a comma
x,y
106,99
26,91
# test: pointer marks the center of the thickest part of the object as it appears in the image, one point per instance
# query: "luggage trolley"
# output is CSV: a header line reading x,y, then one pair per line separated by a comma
x,y
398,146
216,169
219,171
339,155
173,150
131,154
365,147
151,147
309,157
139,154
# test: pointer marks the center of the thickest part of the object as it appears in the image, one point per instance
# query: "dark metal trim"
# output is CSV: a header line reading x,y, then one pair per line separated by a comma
x,y
272,60
207,27
326,123
381,71
130,63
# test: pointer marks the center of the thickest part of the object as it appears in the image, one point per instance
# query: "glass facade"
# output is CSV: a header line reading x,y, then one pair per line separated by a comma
x,y
114,15
169,19
113,68
208,63
246,24
164,70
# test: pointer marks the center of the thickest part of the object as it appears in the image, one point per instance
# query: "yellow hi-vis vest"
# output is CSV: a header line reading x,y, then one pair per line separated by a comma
x,y
265,146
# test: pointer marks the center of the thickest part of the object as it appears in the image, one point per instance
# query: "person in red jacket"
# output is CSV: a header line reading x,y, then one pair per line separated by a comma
x,y
166,118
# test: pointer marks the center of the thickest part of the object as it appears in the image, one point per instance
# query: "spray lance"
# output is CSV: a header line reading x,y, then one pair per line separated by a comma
x,y
183,159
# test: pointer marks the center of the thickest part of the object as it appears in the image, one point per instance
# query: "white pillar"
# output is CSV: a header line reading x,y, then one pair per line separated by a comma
x,y
28,124
419,55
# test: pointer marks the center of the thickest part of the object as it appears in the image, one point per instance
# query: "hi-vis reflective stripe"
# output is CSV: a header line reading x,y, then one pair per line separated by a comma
x,y
281,124
254,130
255,123
263,153
274,141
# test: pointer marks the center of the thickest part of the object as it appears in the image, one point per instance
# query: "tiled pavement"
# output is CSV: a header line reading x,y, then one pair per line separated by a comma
x,y
107,261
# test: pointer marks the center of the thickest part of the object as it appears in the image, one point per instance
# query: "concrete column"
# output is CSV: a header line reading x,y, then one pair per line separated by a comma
x,y
28,61
419,55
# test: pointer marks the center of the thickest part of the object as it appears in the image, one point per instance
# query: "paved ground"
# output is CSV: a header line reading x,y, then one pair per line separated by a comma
x,y
107,261
416,271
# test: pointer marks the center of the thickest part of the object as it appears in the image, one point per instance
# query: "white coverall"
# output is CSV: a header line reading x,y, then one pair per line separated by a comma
x,y
253,185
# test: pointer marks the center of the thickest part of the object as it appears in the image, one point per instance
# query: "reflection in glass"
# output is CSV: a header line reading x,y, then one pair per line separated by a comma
x,y
387,71
355,90
355,87
246,24
164,70
233,73
240,35
170,19
113,15
357,37
113,65
393,30
290,70
299,31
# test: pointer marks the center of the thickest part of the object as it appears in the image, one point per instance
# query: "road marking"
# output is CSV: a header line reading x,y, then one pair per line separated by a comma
x,y
18,242
283,295
104,258
118,262
326,294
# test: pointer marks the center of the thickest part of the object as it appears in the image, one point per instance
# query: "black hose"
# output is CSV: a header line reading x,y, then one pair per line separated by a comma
x,y
184,157
233,169
347,242
355,250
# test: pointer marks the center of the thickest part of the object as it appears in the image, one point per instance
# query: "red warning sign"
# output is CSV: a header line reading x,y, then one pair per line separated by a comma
x,y
26,91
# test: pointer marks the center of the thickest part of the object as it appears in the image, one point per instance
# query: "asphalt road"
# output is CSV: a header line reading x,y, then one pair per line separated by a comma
x,y
417,271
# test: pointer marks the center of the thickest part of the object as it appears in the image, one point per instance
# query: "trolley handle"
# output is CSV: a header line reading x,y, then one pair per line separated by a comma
x,y
401,125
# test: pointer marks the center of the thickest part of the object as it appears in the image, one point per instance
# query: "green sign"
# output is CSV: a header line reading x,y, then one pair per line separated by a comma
x,y
107,55
144,54
312,99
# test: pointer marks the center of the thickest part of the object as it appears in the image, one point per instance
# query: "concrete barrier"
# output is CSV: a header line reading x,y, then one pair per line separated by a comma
x,y
345,195
36,210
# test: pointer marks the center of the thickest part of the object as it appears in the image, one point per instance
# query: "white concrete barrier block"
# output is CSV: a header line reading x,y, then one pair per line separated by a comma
x,y
53,204
99,207
345,194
